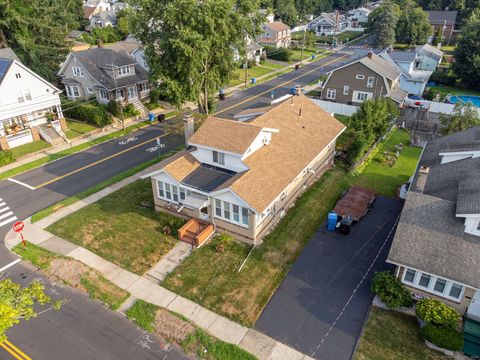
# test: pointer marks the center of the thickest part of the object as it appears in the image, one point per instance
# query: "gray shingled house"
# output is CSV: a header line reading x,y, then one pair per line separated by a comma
x,y
105,74
437,243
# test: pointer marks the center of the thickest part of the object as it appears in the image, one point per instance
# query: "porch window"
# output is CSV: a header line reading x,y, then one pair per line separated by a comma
x,y
409,275
161,193
331,94
104,94
424,280
75,91
236,213
218,208
455,291
244,216
182,193
175,193
168,191
440,285
226,210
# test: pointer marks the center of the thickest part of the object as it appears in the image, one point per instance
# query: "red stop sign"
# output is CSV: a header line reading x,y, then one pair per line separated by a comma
x,y
18,226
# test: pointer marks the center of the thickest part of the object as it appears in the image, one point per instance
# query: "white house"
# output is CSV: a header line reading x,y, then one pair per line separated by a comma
x,y
275,34
358,16
428,57
328,24
27,103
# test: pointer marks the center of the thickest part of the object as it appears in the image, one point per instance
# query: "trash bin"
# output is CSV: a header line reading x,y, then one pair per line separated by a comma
x,y
254,80
222,96
297,67
332,221
313,56
151,117
345,225
161,118
293,90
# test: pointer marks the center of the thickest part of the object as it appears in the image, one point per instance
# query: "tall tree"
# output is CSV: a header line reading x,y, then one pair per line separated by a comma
x,y
467,53
413,26
36,30
287,12
190,44
17,303
465,115
382,23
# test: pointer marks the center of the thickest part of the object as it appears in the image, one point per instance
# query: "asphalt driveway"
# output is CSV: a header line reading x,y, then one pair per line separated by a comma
x,y
320,307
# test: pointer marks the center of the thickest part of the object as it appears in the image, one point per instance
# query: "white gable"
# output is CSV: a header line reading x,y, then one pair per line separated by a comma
x,y
21,80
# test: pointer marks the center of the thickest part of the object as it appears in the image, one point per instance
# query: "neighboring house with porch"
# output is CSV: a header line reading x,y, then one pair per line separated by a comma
x,y
445,22
275,34
105,74
436,247
29,105
253,49
328,24
370,77
358,17
241,177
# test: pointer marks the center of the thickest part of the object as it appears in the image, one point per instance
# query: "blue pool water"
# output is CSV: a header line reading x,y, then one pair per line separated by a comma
x,y
465,98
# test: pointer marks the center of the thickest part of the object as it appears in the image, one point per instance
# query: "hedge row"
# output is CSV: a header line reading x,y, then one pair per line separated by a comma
x,y
91,113
6,157
443,337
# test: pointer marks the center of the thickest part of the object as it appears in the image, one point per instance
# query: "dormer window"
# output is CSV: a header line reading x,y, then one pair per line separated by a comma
x,y
218,157
124,70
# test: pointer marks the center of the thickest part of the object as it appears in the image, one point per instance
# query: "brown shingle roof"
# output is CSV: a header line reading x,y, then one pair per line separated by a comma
x,y
88,11
381,66
226,135
277,26
272,167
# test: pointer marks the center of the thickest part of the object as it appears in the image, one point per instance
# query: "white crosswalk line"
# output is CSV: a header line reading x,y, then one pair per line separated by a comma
x,y
3,204
8,221
4,209
10,213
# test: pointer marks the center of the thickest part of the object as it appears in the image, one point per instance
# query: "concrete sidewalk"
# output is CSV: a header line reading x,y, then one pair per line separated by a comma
x,y
139,287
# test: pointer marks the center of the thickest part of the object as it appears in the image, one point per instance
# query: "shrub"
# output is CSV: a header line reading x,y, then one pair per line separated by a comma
x,y
437,313
154,95
443,77
130,111
6,157
279,54
442,336
114,108
390,290
92,113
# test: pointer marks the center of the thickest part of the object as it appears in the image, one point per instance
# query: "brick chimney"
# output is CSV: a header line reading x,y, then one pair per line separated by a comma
x,y
422,178
188,127
370,54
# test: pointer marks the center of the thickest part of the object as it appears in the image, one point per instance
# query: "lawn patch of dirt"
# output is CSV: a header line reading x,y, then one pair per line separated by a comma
x,y
172,327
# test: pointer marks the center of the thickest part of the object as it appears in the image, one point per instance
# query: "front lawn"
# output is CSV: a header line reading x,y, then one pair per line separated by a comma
x,y
77,128
342,37
394,336
29,148
253,72
211,278
122,228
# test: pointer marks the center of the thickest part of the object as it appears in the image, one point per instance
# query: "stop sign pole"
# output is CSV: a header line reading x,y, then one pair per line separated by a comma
x,y
18,228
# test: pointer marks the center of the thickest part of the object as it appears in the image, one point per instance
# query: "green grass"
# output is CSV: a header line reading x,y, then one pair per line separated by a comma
x,y
297,55
211,278
92,282
122,228
253,72
35,254
384,179
76,129
143,314
29,148
342,37
273,65
205,346
394,336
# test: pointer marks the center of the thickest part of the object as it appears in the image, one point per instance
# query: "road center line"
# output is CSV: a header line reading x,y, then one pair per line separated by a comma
x,y
20,352
21,183
10,265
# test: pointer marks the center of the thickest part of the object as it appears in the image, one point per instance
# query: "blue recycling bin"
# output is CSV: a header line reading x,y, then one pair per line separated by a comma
x,y
314,56
151,117
292,90
254,80
332,221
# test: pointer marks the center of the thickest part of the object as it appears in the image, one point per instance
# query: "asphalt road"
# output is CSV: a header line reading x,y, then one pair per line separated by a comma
x,y
39,188
320,307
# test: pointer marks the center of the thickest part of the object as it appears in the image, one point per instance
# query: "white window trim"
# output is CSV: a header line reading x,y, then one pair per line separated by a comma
x,y
331,94
77,71
101,95
90,90
220,157
370,81
231,220
431,285
346,89
360,77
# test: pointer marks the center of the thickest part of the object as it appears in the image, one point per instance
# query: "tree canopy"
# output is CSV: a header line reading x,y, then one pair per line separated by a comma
x,y
413,26
190,45
17,303
467,53
36,30
465,115
382,22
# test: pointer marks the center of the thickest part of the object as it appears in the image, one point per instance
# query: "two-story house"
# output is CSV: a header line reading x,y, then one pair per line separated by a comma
x,y
27,103
445,22
328,24
105,74
133,47
428,57
436,247
241,177
358,17
275,34
370,77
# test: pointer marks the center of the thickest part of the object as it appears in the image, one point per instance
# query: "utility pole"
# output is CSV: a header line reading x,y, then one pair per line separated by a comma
x,y
303,44
122,118
335,28
245,65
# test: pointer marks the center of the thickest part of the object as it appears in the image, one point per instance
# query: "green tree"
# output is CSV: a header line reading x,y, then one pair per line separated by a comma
x,y
36,30
17,303
190,45
467,53
382,23
438,37
465,115
413,26
310,40
287,12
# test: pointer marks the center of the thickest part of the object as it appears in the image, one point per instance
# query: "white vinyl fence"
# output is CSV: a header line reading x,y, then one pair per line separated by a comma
x,y
20,138
331,107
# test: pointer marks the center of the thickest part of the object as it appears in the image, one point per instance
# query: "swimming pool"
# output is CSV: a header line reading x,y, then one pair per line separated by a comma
x,y
475,100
